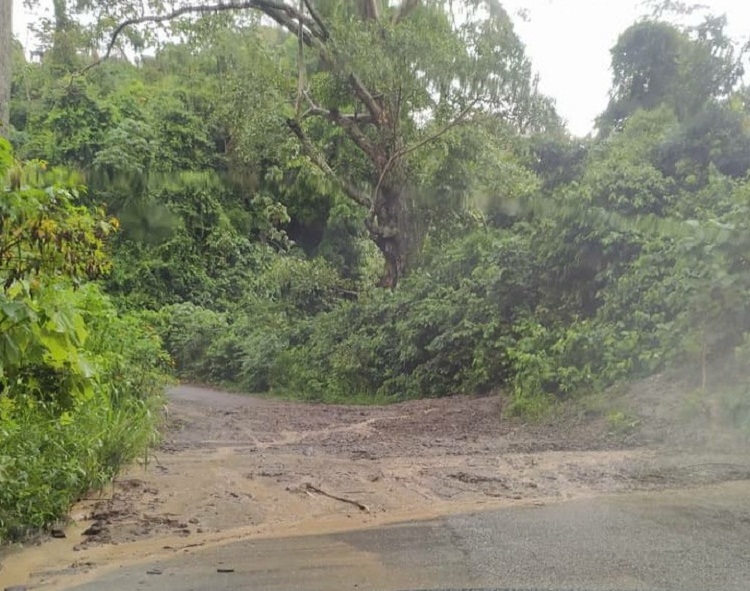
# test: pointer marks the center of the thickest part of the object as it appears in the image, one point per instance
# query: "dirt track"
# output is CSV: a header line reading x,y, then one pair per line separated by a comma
x,y
233,467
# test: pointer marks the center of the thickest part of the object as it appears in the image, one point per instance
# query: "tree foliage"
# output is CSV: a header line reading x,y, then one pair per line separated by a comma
x,y
6,62
657,63
385,80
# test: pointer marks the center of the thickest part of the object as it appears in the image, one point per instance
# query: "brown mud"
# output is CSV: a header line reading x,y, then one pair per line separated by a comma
x,y
233,467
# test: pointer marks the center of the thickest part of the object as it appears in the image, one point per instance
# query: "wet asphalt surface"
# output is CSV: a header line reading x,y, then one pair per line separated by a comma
x,y
688,540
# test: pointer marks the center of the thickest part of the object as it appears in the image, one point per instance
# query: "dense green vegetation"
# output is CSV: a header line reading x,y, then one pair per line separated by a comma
x,y
364,202
79,383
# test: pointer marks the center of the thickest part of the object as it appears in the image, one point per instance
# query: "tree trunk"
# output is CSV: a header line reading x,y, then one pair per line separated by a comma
x,y
395,267
389,226
6,47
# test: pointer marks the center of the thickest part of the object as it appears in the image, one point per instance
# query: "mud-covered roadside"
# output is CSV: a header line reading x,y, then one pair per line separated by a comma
x,y
234,466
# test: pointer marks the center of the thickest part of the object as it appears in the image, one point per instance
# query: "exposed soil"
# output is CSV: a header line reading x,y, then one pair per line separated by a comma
x,y
233,466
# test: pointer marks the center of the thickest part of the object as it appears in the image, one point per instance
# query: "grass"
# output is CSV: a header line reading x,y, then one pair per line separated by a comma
x,y
48,461
621,422
533,408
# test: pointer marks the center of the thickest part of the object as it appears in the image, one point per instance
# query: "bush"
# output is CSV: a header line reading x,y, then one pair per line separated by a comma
x,y
445,330
66,434
79,383
49,459
189,334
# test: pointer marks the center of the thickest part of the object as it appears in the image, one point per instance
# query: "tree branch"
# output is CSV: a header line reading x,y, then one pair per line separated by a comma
x,y
300,62
287,16
408,149
349,125
355,118
314,34
366,98
318,19
460,117
353,192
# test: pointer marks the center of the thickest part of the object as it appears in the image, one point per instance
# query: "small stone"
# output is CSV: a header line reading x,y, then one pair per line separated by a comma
x,y
224,570
57,533
94,529
154,571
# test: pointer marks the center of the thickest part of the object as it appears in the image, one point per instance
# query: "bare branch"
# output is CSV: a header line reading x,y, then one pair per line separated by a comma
x,y
289,18
355,118
397,111
352,192
366,98
460,117
300,61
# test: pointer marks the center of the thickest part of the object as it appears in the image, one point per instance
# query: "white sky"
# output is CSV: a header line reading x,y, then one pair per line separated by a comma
x,y
568,42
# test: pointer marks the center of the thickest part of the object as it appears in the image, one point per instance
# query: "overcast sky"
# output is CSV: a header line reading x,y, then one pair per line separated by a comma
x,y
568,42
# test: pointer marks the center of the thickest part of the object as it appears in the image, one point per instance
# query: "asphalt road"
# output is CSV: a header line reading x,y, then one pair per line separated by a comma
x,y
687,540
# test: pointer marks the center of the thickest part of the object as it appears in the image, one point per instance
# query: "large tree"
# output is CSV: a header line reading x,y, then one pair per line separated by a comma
x,y
388,79
6,58
657,63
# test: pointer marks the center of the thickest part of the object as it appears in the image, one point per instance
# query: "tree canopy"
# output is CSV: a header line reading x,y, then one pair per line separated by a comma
x,y
386,80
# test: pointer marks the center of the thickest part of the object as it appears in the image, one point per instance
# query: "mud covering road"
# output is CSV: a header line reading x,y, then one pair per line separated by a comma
x,y
689,540
234,469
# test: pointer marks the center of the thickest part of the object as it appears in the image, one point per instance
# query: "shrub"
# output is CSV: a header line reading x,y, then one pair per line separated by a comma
x,y
79,383
66,430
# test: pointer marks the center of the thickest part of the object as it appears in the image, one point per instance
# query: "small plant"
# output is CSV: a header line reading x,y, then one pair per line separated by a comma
x,y
534,408
621,422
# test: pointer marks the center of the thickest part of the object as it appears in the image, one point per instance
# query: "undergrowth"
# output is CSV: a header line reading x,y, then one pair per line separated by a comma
x,y
80,383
